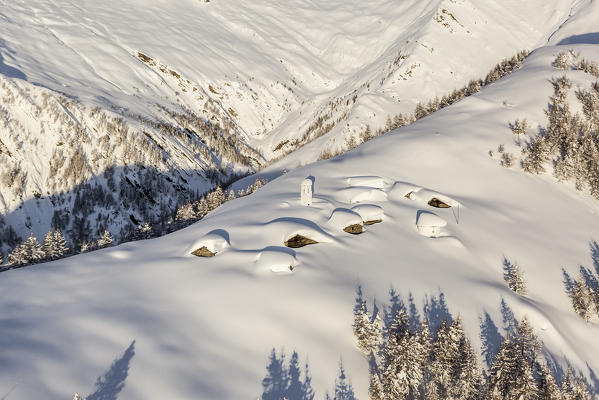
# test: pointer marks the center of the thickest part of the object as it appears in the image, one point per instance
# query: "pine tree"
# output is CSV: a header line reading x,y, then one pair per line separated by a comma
x,y
105,240
580,300
48,245
467,375
54,245
60,244
361,322
185,212
548,388
77,396
375,387
514,278
231,195
33,250
536,155
367,333
17,256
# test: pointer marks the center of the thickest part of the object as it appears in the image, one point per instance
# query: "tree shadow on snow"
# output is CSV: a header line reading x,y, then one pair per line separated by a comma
x,y
490,339
110,385
436,311
595,254
286,380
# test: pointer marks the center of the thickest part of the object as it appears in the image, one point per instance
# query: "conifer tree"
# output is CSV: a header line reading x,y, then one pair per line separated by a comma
x,y
33,250
105,240
514,278
375,387
17,256
548,388
60,244
580,300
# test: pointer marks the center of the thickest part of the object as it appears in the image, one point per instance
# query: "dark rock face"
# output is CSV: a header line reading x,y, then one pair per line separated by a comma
x,y
354,229
435,202
299,241
372,222
203,252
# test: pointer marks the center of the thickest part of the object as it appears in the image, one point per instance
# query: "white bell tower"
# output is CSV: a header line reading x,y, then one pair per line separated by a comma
x,y
306,192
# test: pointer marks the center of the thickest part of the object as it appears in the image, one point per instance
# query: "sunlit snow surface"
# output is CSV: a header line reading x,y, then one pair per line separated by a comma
x,y
184,327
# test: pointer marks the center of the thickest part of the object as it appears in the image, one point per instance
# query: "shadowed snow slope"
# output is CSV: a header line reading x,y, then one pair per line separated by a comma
x,y
203,327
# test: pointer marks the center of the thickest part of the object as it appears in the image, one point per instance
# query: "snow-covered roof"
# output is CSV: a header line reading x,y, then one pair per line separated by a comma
x,y
429,219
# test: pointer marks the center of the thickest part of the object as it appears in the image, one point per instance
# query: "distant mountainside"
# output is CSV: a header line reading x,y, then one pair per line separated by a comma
x,y
469,216
113,115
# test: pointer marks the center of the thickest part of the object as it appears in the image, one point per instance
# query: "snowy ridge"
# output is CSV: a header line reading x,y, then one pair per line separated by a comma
x,y
272,77
214,320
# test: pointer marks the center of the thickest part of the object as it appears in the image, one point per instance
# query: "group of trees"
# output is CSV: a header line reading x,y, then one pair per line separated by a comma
x,y
413,359
570,140
423,109
30,251
568,59
55,245
584,290
195,210
114,170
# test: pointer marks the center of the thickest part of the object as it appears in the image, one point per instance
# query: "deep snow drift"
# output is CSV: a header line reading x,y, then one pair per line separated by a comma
x,y
182,326
273,77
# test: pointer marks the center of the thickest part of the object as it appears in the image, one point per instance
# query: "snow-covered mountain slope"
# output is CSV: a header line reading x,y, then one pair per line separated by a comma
x,y
199,86
185,327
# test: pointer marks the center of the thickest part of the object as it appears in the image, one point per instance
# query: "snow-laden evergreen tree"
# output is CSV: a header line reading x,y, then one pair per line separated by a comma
x,y
87,246
17,256
33,249
580,300
343,386
536,154
514,371
185,212
77,396
361,321
367,332
548,388
396,307
395,379
55,245
60,247
375,387
231,195
513,277
574,388
445,355
466,375
105,240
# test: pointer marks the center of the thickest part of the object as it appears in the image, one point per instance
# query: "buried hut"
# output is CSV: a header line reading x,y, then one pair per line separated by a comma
x,y
429,224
